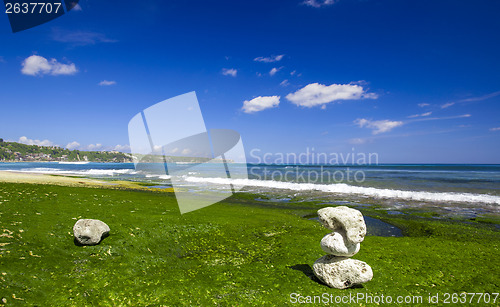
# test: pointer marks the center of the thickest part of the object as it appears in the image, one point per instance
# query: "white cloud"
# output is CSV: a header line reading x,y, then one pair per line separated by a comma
x,y
107,83
122,148
379,126
422,105
274,70
440,118
38,65
480,98
447,105
316,94
73,145
271,59
260,103
94,147
25,140
319,3
229,72
420,115
285,83
495,129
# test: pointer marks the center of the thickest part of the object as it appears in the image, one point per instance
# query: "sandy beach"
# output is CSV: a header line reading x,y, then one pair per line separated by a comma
x,y
71,181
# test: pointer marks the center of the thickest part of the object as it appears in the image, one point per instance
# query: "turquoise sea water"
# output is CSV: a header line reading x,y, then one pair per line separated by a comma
x,y
470,186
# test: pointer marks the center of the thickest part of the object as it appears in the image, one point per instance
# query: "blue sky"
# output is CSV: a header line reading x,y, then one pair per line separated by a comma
x,y
415,82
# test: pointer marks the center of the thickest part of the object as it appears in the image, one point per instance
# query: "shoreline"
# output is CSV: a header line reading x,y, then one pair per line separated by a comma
x,y
70,181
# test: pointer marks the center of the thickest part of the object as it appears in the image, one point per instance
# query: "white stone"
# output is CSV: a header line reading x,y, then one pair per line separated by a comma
x,y
336,243
342,272
90,232
342,217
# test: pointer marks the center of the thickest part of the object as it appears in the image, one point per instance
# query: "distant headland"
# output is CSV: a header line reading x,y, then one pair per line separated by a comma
x,y
17,152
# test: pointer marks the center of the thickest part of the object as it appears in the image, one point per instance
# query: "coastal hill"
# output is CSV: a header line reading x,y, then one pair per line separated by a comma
x,y
16,152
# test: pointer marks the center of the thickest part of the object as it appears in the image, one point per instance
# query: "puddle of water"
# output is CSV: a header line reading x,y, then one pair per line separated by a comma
x,y
158,187
275,200
392,212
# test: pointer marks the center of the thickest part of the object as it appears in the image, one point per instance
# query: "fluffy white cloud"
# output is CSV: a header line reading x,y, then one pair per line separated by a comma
x,y
378,126
107,83
271,59
319,3
274,70
229,72
93,147
495,129
260,103
420,115
25,140
316,94
38,65
73,145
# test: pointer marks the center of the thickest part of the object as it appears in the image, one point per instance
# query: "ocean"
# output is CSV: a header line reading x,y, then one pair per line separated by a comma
x,y
457,188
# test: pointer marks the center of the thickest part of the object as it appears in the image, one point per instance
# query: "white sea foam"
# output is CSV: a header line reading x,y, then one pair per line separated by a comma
x,y
80,162
343,188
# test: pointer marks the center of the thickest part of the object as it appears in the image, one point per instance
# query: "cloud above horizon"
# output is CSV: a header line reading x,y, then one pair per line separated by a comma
x,y
378,126
106,83
73,145
495,129
271,59
229,72
38,65
316,94
25,140
260,103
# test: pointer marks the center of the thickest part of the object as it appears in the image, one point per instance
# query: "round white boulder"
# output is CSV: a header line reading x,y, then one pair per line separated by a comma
x,y
342,272
89,231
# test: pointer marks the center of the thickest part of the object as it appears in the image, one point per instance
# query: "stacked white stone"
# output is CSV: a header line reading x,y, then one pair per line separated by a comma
x,y
336,269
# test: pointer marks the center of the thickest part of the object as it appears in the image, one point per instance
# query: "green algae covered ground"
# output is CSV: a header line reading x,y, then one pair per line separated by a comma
x,y
235,253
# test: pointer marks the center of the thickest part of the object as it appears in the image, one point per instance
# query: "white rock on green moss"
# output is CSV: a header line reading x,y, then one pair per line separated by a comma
x,y
336,243
342,217
89,231
342,272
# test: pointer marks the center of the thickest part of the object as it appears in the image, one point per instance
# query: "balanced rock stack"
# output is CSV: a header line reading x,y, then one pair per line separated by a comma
x,y
336,269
